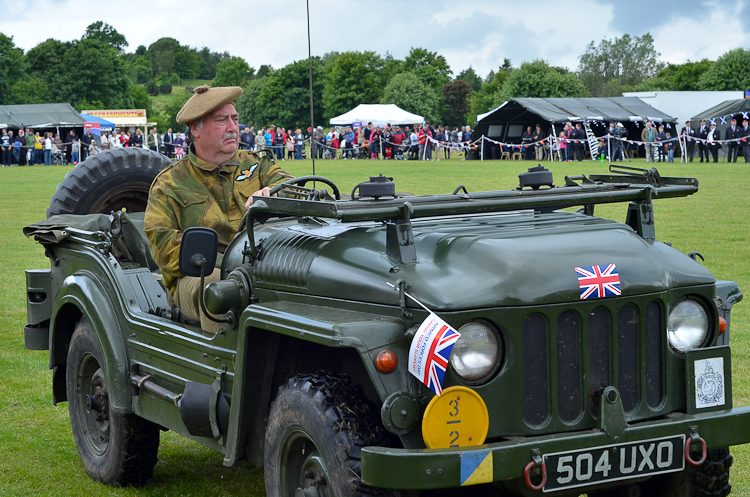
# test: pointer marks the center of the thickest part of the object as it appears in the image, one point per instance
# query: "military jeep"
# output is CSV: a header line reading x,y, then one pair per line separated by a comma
x,y
592,358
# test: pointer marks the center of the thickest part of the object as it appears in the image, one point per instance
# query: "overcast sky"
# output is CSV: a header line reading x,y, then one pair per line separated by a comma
x,y
477,34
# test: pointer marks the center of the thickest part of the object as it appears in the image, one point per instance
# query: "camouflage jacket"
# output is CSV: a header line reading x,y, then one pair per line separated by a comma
x,y
193,192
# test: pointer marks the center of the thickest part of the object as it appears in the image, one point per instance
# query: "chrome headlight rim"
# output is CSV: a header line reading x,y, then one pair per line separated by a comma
x,y
499,354
705,340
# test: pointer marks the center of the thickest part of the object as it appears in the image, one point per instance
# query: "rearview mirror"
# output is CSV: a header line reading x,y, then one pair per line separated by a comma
x,y
198,250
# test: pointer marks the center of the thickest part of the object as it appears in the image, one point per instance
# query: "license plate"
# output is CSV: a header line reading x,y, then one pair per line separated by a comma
x,y
586,467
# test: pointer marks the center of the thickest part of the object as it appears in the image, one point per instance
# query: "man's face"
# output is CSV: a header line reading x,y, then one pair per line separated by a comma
x,y
169,130
220,132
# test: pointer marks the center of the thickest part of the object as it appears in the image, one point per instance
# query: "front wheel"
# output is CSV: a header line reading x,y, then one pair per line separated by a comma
x,y
116,449
316,428
710,479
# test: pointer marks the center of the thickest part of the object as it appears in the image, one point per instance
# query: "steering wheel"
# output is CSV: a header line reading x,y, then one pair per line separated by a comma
x,y
296,186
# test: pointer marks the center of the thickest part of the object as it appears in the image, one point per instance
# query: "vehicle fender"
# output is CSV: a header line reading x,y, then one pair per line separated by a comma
x,y
90,298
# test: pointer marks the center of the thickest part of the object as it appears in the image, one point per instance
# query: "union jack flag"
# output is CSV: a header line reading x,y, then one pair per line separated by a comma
x,y
598,281
430,351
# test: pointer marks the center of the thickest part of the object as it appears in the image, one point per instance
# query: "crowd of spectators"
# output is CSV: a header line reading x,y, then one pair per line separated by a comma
x,y
388,142
416,142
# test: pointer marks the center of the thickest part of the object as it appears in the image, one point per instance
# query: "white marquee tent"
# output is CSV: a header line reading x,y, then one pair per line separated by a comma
x,y
378,115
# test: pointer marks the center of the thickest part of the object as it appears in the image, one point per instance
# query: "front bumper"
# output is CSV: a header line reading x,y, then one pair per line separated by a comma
x,y
421,469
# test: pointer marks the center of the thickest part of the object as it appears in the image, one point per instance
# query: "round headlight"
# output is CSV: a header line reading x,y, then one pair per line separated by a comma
x,y
476,353
687,326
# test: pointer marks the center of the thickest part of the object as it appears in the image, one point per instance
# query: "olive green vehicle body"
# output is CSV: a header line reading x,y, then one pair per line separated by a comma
x,y
319,286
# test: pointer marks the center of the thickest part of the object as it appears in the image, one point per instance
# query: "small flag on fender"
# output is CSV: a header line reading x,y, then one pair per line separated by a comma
x,y
430,351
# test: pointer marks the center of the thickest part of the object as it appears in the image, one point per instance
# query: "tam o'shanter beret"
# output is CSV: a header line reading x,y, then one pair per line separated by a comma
x,y
206,100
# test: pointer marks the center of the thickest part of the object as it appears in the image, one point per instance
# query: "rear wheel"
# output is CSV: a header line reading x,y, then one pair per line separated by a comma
x,y
111,180
116,449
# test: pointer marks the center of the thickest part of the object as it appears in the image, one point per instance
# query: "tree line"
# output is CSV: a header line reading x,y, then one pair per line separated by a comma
x,y
96,72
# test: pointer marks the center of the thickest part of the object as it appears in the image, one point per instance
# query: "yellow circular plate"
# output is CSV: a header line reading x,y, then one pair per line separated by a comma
x,y
458,418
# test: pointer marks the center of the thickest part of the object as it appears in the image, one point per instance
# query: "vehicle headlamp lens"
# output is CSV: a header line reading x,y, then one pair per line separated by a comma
x,y
476,353
687,326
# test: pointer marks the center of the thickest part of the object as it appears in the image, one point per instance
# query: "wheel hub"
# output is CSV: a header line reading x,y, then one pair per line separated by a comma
x,y
94,398
303,468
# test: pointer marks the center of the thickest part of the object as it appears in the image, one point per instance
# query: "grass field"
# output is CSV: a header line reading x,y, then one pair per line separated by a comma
x,y
38,455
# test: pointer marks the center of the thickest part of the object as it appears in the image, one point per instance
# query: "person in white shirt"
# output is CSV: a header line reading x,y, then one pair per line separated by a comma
x,y
114,140
47,149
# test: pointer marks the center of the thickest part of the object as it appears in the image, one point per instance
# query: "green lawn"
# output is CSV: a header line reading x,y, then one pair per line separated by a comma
x,y
38,455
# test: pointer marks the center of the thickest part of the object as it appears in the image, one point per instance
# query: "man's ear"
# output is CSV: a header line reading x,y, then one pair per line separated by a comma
x,y
195,130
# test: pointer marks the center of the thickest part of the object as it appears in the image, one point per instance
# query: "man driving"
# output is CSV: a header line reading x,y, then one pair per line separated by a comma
x,y
213,186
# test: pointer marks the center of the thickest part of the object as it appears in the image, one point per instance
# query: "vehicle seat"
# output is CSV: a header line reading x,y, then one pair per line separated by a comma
x,y
129,242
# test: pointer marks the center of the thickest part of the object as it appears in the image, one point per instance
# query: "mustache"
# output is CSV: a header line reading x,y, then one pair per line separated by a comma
x,y
230,135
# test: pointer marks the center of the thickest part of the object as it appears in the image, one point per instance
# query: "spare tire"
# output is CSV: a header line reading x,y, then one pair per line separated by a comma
x,y
111,180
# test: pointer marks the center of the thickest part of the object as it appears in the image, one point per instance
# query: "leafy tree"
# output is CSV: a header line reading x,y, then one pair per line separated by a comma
x,y
393,66
140,69
730,72
152,88
30,90
539,79
471,78
248,105
210,61
141,100
283,97
233,72
162,77
429,67
106,34
456,96
413,95
484,100
676,77
607,68
688,75
353,78
264,71
171,109
141,50
47,58
187,63
84,70
161,53
165,88
174,79
12,65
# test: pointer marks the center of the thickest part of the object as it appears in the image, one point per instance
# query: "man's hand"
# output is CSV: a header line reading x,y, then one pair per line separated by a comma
x,y
265,192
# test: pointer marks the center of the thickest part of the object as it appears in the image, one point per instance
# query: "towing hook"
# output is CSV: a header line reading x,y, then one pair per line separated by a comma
x,y
527,474
694,437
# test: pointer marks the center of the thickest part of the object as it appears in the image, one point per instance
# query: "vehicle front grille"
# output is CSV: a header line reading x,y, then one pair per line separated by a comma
x,y
593,345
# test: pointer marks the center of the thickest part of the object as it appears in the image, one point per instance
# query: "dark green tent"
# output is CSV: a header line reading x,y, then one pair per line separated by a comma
x,y
727,110
40,116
